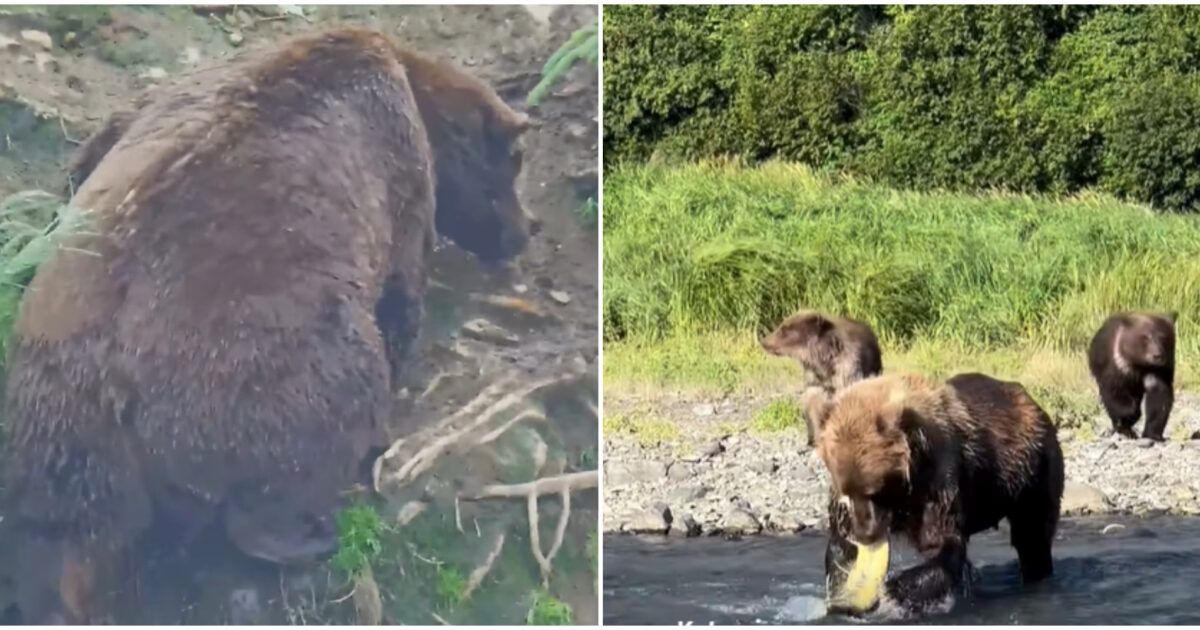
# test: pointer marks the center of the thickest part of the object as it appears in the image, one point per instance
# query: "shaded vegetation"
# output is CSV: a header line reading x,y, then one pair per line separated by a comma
x,y
778,415
583,44
1032,98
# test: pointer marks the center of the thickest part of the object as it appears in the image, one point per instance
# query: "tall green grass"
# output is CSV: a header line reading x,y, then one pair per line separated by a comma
x,y
714,247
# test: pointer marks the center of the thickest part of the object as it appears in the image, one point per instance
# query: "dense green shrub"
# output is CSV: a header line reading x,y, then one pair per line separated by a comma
x,y
1028,98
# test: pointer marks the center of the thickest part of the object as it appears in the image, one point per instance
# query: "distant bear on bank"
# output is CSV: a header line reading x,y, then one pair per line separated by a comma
x,y
221,347
1132,358
939,462
834,351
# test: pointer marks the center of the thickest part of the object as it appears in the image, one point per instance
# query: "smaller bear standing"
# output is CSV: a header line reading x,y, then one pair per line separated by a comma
x,y
939,462
835,352
1132,358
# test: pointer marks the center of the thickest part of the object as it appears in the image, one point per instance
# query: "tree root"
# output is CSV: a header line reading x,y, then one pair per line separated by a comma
x,y
491,401
480,572
558,484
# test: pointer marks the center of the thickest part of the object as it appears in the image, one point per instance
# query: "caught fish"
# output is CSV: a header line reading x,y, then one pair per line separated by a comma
x,y
865,582
855,574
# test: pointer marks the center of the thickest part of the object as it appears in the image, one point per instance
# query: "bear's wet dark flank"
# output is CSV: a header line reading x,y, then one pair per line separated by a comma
x,y
440,541
1108,571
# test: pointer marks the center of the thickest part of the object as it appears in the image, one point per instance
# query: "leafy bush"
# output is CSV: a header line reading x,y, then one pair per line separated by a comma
x,y
1032,98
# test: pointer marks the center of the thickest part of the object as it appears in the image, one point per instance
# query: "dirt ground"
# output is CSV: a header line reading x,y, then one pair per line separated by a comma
x,y
64,69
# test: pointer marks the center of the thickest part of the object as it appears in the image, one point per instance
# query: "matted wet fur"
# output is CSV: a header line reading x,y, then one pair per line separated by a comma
x,y
834,351
939,462
222,346
1132,359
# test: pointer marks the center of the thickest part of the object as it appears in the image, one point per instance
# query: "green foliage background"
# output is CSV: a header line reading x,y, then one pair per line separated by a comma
x,y
1027,98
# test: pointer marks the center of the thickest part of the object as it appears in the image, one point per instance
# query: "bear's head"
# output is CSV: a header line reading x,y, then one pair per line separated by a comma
x,y
1148,340
475,140
806,336
864,444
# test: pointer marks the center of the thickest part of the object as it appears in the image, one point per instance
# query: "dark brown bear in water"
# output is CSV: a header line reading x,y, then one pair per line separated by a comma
x,y
1132,358
219,347
834,351
939,462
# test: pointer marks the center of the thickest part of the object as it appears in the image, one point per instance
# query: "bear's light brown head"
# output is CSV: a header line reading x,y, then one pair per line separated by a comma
x,y
865,445
475,139
1148,340
807,336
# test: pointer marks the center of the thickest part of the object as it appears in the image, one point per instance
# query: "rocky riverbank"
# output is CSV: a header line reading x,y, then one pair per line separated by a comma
x,y
711,473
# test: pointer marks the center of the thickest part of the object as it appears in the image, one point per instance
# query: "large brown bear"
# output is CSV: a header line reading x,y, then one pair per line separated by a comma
x,y
221,347
1132,358
834,351
939,462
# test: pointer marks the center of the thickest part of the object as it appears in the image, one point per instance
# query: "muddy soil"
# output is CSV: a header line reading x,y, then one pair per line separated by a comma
x,y
82,62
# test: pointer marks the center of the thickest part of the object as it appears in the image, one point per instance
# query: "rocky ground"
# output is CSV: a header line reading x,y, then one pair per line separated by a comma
x,y
64,69
719,477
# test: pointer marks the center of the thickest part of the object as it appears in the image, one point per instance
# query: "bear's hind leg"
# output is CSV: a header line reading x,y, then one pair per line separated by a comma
x,y
399,315
1033,523
1160,397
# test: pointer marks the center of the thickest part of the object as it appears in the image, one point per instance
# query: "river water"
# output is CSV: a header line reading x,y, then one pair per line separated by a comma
x,y
1143,571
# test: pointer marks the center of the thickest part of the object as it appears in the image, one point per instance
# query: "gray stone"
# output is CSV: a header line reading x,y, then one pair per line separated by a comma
x,y
655,520
483,330
561,297
703,410
679,471
38,38
236,38
740,521
687,494
622,472
1079,499
785,523
686,527
1145,442
245,607
765,466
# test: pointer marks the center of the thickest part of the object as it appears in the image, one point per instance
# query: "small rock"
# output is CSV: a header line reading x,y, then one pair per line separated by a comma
x,y
680,471
764,466
1112,527
70,39
45,61
38,38
1195,436
1079,499
1145,442
785,523
521,288
740,521
154,74
619,472
687,494
483,330
686,526
561,297
236,38
8,43
703,410
245,608
656,520
190,56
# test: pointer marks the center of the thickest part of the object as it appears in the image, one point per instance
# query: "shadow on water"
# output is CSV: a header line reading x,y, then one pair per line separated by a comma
x,y
1142,572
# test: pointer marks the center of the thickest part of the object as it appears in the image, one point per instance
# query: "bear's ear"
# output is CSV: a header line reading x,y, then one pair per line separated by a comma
x,y
1172,316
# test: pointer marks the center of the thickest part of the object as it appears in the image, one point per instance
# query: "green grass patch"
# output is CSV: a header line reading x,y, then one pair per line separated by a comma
x,y
451,584
717,248
647,430
546,610
778,415
359,542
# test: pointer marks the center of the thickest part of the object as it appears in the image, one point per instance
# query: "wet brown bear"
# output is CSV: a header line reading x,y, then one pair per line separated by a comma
x,y
221,346
834,351
1132,358
939,462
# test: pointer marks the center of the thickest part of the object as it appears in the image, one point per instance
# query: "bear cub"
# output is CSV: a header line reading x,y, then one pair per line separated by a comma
x,y
1132,359
835,353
